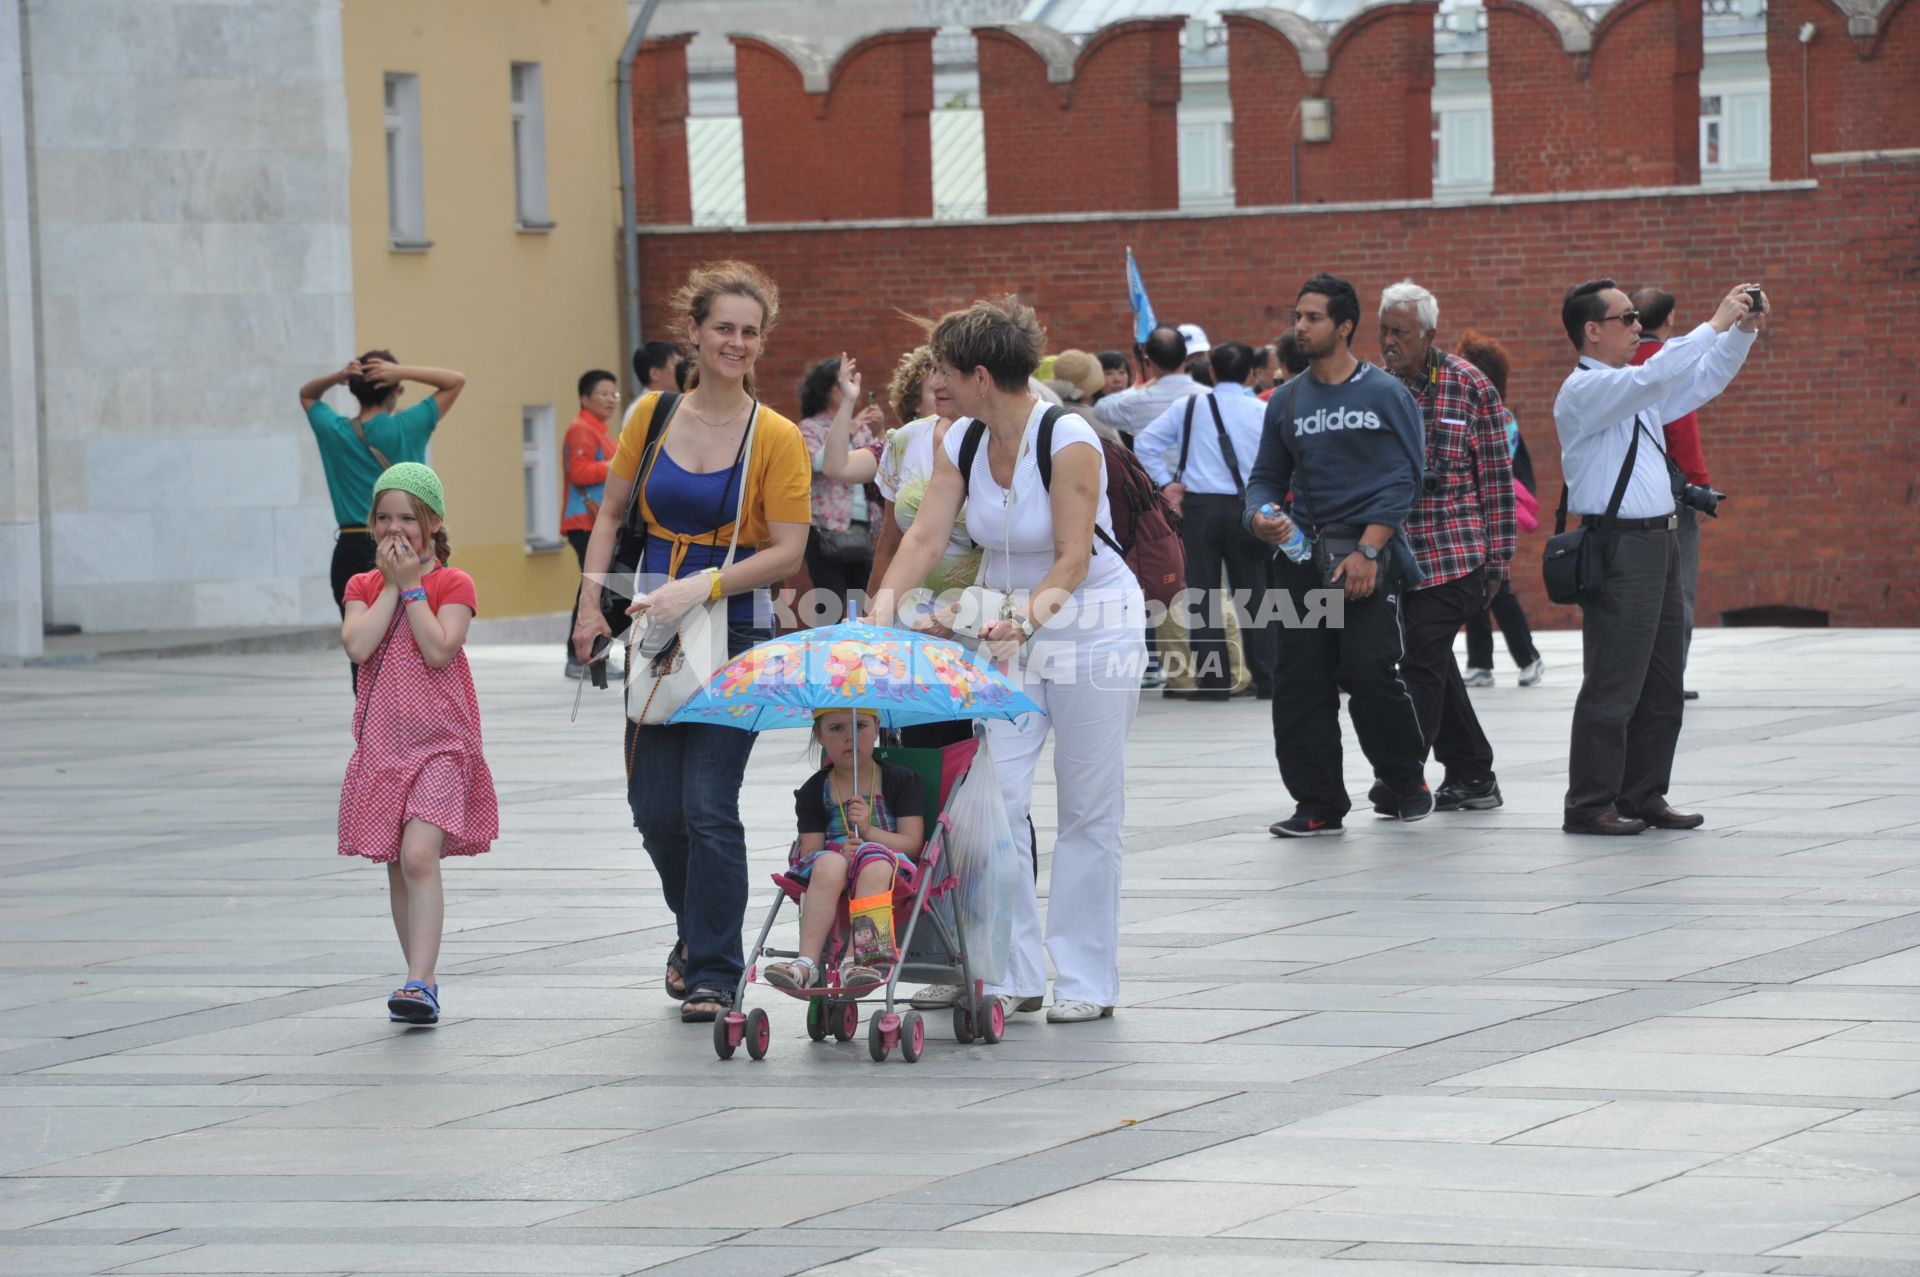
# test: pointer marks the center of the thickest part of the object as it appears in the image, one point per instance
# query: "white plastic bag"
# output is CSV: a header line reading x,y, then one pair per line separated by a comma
x,y
987,863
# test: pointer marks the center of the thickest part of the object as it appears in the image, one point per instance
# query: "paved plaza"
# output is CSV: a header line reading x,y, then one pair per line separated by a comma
x,y
1470,1044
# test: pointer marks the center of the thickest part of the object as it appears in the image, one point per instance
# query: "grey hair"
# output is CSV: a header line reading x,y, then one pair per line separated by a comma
x,y
1426,307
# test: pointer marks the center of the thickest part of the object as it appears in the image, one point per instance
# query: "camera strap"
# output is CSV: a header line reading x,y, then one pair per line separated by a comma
x,y
1619,483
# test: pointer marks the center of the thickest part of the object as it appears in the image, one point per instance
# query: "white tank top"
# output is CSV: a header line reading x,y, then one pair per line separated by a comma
x,y
1014,526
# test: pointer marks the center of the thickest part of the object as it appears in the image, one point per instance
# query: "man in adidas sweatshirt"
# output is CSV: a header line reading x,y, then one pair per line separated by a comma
x,y
1342,448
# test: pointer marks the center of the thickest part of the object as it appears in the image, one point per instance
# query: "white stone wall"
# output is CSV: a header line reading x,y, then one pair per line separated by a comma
x,y
190,167
20,614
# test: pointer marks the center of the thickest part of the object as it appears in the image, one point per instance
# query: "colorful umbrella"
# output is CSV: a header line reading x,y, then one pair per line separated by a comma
x,y
907,677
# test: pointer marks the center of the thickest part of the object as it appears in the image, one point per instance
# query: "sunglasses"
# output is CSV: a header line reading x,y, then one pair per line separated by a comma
x,y
1626,318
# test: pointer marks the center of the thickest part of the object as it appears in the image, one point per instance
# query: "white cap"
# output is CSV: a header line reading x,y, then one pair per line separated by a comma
x,y
1197,343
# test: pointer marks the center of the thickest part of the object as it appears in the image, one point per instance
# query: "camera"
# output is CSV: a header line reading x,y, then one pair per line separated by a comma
x,y
1705,500
1432,481
1759,302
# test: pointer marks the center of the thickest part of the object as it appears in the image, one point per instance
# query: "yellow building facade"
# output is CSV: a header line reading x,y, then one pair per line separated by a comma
x,y
485,215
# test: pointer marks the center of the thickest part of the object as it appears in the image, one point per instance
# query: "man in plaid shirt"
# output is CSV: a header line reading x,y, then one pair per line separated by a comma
x,y
1462,534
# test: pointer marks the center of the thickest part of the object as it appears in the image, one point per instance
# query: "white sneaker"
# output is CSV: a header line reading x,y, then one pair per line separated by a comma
x,y
1478,678
1076,1012
935,996
1530,675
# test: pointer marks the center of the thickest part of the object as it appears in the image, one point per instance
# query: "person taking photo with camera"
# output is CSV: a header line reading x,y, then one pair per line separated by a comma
x,y
1609,412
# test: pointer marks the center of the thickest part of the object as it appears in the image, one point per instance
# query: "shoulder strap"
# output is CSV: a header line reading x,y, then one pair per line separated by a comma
x,y
1043,446
1226,449
1286,438
1186,440
743,464
1620,481
360,433
656,439
969,449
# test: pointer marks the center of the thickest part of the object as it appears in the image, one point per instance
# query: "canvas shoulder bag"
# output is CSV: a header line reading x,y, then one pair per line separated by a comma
x,y
667,662
1575,563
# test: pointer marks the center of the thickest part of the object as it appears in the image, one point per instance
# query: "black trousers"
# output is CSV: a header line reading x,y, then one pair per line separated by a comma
x,y
1514,629
838,579
1449,727
578,540
1363,654
1626,720
353,550
1213,537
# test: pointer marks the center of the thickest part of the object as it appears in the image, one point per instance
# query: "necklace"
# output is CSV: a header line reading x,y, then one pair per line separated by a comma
x,y
709,422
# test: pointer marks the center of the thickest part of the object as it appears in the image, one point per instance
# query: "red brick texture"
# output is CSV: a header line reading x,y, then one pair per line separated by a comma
x,y
860,149
1823,469
661,193
1851,93
1380,148
1106,141
1592,120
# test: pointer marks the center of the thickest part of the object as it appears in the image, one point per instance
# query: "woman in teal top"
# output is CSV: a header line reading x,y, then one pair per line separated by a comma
x,y
355,450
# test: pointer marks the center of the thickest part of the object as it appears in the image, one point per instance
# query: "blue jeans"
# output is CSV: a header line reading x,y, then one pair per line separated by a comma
x,y
684,789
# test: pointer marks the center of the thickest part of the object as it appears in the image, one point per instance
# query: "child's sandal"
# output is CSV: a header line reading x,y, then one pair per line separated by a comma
x,y
797,974
860,978
414,1003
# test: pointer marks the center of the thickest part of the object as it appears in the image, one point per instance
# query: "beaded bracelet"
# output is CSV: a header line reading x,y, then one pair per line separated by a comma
x,y
415,595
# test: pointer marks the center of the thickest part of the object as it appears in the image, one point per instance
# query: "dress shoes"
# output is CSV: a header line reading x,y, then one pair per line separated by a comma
x,y
1664,817
1606,823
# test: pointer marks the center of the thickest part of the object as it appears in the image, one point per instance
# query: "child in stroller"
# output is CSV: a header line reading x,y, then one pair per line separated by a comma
x,y
861,823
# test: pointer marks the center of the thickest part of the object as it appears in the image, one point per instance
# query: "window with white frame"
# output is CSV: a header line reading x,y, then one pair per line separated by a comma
x,y
540,476
406,185
717,170
1711,125
1463,148
529,148
1206,158
1735,132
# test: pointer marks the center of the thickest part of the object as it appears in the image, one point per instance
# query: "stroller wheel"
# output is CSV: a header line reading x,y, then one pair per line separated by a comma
x,y
723,1040
991,1020
845,1019
817,1010
877,1045
913,1036
962,1024
759,1033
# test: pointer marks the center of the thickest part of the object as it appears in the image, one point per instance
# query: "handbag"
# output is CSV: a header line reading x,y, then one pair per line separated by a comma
x,y
630,542
667,662
851,544
1575,565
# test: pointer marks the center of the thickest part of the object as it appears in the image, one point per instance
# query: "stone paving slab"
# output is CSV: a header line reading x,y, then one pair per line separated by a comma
x,y
1471,1044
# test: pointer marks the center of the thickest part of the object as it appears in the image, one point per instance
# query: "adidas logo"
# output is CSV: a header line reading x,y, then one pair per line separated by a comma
x,y
1335,419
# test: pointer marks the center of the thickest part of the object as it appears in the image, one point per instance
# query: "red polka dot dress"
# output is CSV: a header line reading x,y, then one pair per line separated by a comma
x,y
418,730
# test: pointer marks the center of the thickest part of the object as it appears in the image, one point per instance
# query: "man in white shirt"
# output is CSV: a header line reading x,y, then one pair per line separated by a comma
x,y
1131,411
1212,440
1626,721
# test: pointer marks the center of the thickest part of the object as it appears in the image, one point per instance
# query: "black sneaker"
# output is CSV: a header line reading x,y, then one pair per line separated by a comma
x,y
1415,806
1479,795
1301,826
1385,803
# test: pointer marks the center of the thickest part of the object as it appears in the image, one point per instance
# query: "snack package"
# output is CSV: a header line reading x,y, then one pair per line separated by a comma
x,y
870,921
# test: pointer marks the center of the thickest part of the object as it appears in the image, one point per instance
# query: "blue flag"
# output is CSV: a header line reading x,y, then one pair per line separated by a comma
x,y
1143,320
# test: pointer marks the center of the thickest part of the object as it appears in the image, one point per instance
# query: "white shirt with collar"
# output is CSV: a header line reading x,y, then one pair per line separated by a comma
x,y
1597,405
1158,446
1134,410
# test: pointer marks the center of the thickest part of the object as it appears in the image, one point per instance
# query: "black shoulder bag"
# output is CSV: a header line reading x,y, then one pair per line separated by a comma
x,y
1575,566
630,544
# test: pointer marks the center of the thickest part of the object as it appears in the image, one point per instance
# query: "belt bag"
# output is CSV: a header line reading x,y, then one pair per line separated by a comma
x,y
1331,546
668,662
1575,565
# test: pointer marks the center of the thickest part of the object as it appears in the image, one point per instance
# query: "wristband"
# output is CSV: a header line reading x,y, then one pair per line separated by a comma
x,y
718,589
416,594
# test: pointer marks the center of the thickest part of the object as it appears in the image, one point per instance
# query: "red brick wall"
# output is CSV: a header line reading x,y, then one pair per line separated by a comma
x,y
1107,141
862,149
1380,81
1593,121
1865,89
1820,469
661,194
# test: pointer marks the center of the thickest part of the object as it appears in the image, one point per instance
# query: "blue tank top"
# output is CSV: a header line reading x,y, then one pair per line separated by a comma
x,y
694,504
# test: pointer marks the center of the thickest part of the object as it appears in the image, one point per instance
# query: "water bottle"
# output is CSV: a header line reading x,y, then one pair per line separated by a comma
x,y
1296,546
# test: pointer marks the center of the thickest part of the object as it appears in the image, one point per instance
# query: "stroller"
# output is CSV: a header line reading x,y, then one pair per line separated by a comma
x,y
932,943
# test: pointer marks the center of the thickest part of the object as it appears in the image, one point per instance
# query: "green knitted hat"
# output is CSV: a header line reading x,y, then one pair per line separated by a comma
x,y
412,477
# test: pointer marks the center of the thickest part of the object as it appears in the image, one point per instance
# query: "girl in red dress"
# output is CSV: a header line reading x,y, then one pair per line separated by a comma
x,y
417,787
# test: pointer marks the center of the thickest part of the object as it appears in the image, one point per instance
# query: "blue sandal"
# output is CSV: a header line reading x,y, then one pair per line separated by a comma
x,y
414,1003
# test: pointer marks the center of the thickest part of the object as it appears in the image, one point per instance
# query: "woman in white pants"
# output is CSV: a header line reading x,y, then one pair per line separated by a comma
x,y
1073,618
